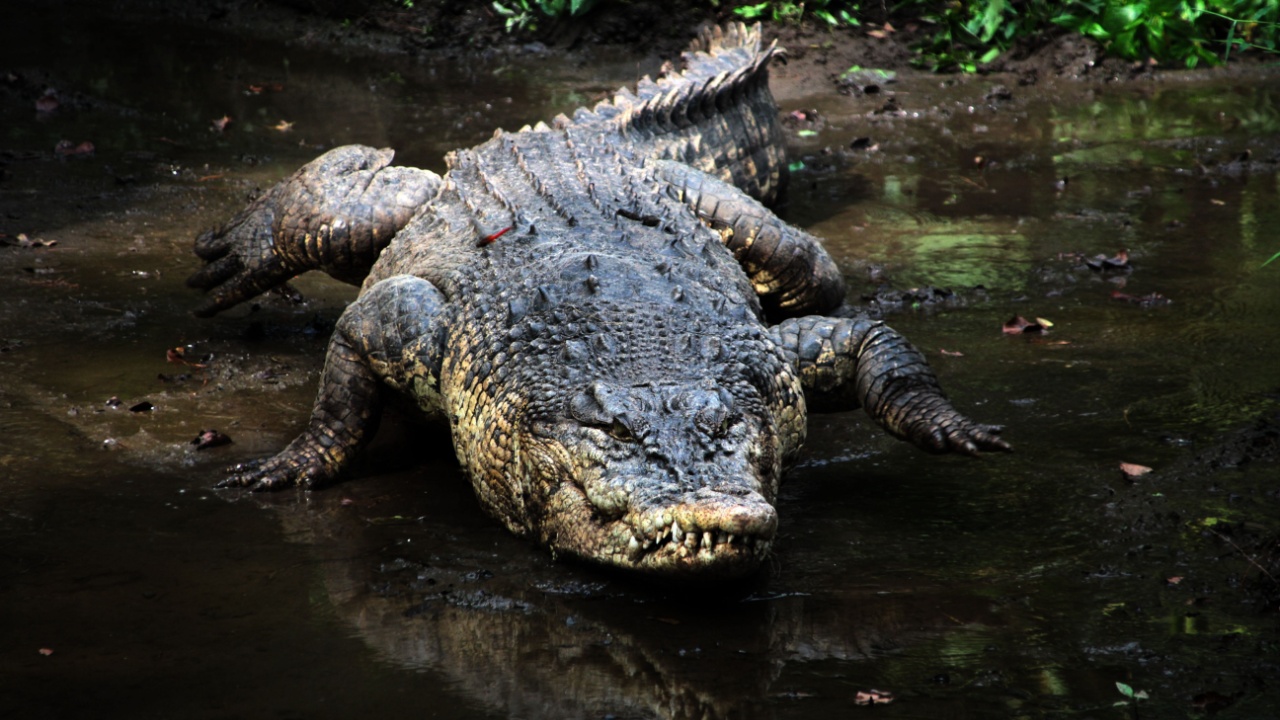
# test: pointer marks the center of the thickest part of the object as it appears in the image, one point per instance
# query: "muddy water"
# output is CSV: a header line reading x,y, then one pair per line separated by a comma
x,y
1016,586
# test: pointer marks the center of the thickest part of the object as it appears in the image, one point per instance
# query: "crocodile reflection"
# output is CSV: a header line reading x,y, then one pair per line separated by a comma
x,y
527,637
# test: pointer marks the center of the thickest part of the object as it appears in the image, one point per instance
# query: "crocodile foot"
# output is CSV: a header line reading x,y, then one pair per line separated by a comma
x,y
934,425
303,467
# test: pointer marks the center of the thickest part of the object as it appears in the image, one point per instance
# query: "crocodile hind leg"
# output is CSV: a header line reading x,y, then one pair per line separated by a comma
x,y
393,335
791,272
334,214
850,363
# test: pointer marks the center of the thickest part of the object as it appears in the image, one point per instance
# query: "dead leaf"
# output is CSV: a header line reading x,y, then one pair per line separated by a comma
x,y
1134,470
1018,325
210,438
48,102
1216,201
65,148
1174,580
1101,262
950,353
221,123
873,697
178,356
46,651
283,126
878,34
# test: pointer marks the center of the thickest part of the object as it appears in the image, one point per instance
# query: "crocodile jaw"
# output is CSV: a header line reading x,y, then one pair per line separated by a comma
x,y
708,534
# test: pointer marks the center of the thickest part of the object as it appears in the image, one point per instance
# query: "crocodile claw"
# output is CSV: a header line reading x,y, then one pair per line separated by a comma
x,y
934,425
241,260
276,473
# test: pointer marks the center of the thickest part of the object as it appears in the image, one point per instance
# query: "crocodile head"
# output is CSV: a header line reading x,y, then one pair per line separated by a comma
x,y
675,478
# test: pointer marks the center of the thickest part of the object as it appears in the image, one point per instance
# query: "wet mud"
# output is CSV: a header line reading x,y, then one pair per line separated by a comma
x,y
1128,220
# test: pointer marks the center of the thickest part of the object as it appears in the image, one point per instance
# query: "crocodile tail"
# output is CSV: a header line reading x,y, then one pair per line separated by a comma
x,y
716,114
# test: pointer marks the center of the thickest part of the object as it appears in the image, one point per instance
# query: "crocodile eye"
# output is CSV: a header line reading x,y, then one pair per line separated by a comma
x,y
621,432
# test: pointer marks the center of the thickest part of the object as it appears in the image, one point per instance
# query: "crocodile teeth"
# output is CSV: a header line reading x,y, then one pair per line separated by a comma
x,y
707,542
677,533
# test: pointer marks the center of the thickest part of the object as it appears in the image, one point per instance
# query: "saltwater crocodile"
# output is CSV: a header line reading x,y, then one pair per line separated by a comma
x,y
584,304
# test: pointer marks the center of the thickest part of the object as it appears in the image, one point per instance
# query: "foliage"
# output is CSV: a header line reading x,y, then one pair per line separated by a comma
x,y
832,12
964,34
1167,31
1270,259
523,14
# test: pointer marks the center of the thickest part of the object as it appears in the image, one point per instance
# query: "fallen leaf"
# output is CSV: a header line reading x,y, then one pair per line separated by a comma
x,y
210,438
46,651
1174,580
950,353
178,356
1045,323
1120,261
1133,469
65,148
221,123
283,126
873,697
48,102
1216,201
1018,325
878,34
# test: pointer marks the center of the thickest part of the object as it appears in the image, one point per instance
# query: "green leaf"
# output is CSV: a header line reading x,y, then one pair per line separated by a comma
x,y
1125,690
1271,259
989,55
807,133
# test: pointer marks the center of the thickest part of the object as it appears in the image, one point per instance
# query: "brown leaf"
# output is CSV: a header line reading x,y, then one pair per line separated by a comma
x,y
873,697
210,438
1018,325
283,126
221,123
878,34
1134,470
46,651
950,353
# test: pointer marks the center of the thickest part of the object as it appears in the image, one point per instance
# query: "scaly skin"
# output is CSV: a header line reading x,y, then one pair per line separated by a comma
x,y
585,306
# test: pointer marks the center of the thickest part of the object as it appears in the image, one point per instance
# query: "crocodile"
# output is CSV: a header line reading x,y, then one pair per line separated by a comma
x,y
623,340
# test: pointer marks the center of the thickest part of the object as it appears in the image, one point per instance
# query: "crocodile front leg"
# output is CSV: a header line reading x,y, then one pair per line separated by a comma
x,y
334,214
393,335
849,363
790,270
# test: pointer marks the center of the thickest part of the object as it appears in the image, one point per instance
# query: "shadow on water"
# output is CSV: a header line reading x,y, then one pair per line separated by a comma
x,y
1019,586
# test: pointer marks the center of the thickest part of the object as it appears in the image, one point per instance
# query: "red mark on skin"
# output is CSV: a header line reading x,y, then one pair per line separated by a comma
x,y
496,235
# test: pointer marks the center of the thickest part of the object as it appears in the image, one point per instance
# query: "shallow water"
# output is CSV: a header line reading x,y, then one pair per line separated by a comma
x,y
1013,586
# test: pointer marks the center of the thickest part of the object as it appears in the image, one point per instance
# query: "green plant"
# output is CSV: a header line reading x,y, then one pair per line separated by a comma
x,y
1134,696
523,14
1170,31
1270,259
832,12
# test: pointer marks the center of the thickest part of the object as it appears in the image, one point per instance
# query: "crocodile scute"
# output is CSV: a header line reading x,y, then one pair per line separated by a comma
x,y
623,340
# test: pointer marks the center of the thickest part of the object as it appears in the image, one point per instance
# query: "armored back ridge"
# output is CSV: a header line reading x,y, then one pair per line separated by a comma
x,y
586,305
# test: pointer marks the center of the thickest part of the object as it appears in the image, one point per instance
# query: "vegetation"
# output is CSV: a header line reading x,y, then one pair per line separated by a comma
x,y
961,35
1186,32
